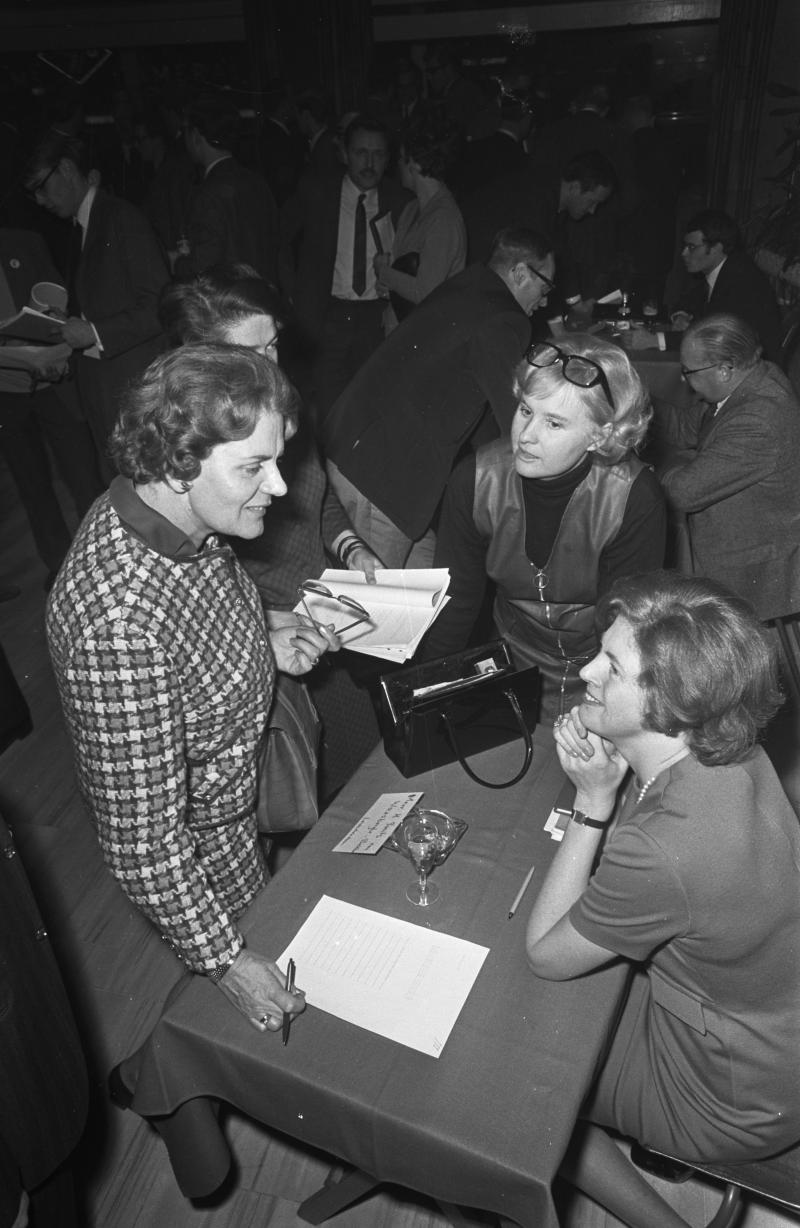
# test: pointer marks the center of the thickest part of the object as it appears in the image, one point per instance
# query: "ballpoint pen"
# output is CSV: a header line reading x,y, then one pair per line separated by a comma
x,y
521,892
287,1018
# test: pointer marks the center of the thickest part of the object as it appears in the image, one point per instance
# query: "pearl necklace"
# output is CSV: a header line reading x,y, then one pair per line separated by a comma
x,y
681,754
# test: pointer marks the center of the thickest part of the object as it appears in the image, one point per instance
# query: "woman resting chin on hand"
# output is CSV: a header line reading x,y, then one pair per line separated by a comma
x,y
688,867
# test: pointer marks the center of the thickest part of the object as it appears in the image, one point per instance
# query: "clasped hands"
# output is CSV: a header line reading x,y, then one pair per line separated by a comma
x,y
592,763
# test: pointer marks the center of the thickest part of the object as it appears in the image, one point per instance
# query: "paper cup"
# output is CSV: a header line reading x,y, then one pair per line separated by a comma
x,y
49,296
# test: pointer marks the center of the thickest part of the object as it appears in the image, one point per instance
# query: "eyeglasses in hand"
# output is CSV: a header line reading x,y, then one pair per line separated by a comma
x,y
577,370
321,590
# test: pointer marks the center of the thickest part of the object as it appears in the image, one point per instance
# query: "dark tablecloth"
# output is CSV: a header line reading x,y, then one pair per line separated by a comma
x,y
487,1123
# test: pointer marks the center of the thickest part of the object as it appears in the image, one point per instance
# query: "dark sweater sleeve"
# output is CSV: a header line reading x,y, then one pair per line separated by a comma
x,y
460,547
639,545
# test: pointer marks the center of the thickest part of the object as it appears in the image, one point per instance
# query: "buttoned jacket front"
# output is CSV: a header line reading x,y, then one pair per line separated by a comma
x,y
736,480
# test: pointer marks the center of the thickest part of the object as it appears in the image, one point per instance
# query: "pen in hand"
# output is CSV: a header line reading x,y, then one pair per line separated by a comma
x,y
287,1018
521,892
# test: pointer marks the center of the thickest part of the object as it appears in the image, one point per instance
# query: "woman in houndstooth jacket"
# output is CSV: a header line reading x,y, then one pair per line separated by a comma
x,y
166,716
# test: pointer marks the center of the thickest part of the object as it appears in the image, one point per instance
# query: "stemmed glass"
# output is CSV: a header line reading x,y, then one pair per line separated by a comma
x,y
422,837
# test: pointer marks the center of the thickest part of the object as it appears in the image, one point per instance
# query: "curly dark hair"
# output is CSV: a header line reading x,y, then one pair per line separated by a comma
x,y
432,142
708,668
190,400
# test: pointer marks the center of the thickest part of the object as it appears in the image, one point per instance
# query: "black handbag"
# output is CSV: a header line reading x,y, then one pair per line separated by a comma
x,y
455,706
287,761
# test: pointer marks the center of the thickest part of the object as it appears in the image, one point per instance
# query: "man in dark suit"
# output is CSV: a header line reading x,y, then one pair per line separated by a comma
x,y
233,217
549,204
734,474
394,434
330,236
727,280
115,276
491,160
281,147
459,99
596,244
314,123
36,413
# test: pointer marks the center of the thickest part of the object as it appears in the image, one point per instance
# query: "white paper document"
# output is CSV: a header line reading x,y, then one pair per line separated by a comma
x,y
402,981
402,605
383,233
375,827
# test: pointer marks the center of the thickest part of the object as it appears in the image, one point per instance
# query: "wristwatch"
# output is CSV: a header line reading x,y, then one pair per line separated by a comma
x,y
583,820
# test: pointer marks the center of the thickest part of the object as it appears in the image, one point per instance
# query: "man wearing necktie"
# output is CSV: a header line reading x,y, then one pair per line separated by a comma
x,y
115,276
726,280
733,467
332,229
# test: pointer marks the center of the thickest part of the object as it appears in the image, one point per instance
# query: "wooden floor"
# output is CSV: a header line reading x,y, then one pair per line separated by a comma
x,y
118,973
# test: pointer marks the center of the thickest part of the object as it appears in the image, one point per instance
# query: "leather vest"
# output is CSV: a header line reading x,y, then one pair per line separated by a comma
x,y
547,614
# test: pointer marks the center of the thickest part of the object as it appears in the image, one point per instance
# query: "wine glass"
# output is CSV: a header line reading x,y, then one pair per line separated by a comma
x,y
421,834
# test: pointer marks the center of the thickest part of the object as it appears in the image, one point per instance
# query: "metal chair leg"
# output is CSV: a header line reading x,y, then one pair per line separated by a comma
x,y
729,1208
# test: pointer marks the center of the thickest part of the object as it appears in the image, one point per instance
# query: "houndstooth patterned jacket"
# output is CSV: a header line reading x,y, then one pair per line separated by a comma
x,y
165,674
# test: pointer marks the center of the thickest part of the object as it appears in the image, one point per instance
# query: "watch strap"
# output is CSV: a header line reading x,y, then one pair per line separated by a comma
x,y
585,820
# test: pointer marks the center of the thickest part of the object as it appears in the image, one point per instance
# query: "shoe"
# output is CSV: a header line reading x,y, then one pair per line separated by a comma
x,y
8,592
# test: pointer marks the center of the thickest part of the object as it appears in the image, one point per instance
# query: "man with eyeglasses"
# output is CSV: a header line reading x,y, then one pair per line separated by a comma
x,y
115,274
733,466
393,435
726,280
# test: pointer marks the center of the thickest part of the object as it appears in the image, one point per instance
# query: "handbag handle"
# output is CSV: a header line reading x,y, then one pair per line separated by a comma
x,y
526,736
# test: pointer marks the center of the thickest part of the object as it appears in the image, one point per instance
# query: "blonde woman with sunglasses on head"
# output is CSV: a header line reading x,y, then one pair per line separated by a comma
x,y
553,514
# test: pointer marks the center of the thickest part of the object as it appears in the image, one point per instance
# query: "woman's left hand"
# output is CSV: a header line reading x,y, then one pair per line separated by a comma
x,y
299,646
380,263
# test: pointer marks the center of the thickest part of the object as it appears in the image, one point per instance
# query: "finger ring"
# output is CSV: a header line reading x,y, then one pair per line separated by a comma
x,y
265,1019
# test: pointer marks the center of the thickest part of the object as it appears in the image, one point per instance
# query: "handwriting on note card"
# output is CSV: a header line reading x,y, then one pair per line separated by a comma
x,y
374,828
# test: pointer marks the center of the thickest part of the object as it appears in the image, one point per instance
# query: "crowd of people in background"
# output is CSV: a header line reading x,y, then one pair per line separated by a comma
x,y
403,257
